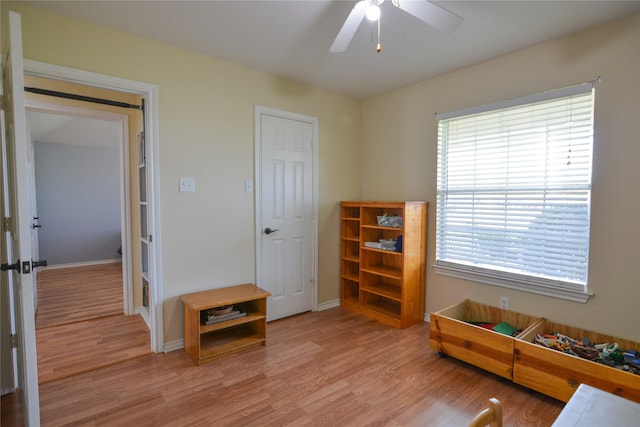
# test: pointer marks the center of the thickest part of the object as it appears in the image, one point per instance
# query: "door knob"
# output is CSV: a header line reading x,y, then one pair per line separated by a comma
x,y
14,266
35,264
268,230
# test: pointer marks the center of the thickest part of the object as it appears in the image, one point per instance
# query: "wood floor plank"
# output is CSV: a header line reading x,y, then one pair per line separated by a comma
x,y
329,368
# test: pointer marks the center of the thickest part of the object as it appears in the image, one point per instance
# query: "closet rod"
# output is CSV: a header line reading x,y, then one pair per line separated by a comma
x,y
83,98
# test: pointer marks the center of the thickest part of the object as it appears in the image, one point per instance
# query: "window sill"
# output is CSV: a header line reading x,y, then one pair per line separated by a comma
x,y
532,287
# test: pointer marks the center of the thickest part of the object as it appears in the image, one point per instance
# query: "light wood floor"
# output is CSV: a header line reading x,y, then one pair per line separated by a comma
x,y
329,368
71,349
80,325
67,295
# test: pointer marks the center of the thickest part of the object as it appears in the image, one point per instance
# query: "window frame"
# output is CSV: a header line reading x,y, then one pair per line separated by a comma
x,y
493,275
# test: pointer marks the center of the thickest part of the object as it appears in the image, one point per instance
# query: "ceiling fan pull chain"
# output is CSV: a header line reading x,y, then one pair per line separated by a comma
x,y
379,47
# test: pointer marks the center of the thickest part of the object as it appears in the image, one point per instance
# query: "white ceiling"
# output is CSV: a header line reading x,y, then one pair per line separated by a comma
x,y
63,129
292,38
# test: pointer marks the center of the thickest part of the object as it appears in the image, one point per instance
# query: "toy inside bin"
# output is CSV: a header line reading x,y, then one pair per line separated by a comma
x,y
390,221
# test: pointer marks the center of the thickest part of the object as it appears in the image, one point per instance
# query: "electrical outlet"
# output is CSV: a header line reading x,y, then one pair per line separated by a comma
x,y
504,303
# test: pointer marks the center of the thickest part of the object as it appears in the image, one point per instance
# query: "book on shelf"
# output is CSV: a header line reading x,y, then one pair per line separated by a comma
x,y
212,318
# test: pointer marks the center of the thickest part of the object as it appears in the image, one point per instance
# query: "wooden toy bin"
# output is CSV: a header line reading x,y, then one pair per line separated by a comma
x,y
558,374
450,334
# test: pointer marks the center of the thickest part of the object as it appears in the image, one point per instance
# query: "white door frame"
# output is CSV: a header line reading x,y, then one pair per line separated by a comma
x,y
125,202
150,94
259,226
8,319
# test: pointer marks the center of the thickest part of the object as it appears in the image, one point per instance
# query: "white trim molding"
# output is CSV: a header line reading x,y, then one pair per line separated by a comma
x,y
329,304
534,288
80,264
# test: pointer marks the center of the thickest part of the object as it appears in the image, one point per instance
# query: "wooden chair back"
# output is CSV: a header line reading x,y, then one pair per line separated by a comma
x,y
490,416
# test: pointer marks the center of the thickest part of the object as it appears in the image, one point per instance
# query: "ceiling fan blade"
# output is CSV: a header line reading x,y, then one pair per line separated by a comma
x,y
349,27
434,15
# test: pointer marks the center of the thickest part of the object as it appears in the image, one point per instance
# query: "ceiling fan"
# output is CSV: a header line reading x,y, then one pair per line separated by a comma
x,y
424,10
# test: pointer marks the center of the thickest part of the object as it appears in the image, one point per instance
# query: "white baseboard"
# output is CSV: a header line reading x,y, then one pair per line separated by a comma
x,y
329,304
6,391
173,345
82,264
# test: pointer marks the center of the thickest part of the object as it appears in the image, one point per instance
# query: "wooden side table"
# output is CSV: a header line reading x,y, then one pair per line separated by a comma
x,y
205,343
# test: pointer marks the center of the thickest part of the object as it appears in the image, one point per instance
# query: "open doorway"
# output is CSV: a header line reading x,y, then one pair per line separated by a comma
x,y
78,199
78,196
81,187
105,141
77,187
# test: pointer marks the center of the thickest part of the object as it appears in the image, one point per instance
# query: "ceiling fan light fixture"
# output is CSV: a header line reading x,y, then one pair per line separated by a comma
x,y
373,12
425,10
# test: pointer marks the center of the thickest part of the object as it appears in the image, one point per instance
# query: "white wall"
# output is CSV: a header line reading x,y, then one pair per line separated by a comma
x,y
399,162
78,198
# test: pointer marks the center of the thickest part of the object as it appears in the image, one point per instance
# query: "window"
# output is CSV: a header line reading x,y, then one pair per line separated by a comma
x,y
514,189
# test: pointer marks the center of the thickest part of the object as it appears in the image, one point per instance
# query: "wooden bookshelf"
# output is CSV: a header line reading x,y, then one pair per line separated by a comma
x,y
388,285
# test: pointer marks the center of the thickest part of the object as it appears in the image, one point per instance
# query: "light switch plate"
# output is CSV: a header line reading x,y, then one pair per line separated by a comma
x,y
187,184
248,186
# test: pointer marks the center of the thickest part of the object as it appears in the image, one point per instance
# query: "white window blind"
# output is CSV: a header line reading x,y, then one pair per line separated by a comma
x,y
514,189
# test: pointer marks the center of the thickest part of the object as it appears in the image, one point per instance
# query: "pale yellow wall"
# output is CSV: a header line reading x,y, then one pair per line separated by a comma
x,y
399,162
206,131
206,109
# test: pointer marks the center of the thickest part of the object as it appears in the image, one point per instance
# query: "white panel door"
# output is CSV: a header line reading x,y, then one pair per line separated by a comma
x,y
17,175
287,223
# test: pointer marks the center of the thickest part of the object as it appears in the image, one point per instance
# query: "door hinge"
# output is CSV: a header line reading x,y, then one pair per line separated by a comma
x,y
13,340
150,238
